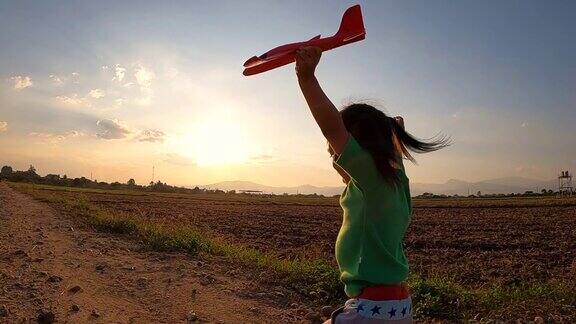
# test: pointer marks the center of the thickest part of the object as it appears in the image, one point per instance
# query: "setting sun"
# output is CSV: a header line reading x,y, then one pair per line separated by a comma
x,y
214,141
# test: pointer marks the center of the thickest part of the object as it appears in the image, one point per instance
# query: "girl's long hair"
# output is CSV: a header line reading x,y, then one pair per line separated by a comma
x,y
385,139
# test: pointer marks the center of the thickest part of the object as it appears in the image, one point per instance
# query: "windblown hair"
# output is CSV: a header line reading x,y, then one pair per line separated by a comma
x,y
385,139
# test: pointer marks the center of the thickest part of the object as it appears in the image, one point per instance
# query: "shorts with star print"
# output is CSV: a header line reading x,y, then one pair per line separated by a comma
x,y
364,311
376,304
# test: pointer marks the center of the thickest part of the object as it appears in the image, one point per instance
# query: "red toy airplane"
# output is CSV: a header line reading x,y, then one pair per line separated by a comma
x,y
351,30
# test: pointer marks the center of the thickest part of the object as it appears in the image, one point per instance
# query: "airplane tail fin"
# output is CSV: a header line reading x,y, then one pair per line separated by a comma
x,y
314,38
352,25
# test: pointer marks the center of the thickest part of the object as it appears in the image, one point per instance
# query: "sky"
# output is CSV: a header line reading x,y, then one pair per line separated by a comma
x,y
112,89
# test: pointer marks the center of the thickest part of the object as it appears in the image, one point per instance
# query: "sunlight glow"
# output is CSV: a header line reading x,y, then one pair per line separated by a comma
x,y
217,140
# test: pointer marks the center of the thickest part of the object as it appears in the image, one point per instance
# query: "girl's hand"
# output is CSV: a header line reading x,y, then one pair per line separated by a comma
x,y
307,59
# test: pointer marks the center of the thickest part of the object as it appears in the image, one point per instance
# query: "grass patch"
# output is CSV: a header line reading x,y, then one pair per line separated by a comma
x,y
440,298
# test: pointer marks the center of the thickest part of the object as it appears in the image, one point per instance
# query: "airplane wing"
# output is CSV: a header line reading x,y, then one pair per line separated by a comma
x,y
266,62
259,66
351,30
277,54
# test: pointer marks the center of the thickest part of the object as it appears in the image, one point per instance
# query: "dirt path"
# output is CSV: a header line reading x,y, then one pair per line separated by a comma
x,y
52,263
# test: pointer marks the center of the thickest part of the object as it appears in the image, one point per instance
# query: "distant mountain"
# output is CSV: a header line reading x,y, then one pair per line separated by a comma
x,y
247,185
492,186
450,187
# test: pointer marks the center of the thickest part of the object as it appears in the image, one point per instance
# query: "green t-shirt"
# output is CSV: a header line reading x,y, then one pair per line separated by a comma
x,y
369,247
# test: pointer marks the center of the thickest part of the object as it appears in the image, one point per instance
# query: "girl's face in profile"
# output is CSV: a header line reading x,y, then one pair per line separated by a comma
x,y
342,173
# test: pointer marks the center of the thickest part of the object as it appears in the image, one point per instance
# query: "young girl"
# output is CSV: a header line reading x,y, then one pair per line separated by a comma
x,y
367,149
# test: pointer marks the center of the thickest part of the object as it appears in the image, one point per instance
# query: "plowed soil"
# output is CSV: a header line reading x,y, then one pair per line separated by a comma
x,y
474,245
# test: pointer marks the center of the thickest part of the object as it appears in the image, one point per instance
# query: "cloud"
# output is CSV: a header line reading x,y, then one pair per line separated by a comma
x,y
524,124
119,73
144,76
72,100
151,135
96,93
57,137
262,157
75,77
144,101
56,80
177,159
116,129
112,129
3,126
22,82
119,102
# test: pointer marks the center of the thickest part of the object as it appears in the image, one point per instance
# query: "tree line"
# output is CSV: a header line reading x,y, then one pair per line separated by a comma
x,y
31,176
479,194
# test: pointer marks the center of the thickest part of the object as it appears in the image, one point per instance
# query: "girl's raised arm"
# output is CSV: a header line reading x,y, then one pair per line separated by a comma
x,y
323,110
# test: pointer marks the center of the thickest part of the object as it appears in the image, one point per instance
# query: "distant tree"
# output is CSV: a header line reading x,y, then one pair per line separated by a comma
x,y
32,170
52,179
131,183
6,171
427,195
479,193
76,182
31,175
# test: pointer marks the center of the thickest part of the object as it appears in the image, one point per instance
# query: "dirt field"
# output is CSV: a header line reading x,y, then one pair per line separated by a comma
x,y
56,268
474,245
477,245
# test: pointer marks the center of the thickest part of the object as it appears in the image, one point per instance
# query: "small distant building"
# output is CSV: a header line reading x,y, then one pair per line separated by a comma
x,y
565,183
253,192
